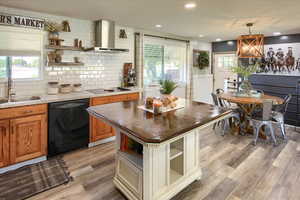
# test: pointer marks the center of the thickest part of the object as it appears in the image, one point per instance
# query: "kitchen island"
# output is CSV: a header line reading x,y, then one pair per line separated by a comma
x,y
157,155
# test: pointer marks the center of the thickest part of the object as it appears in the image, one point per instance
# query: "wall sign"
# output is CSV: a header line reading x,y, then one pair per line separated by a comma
x,y
16,20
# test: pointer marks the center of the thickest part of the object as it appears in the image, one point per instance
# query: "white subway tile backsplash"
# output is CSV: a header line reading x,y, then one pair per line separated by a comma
x,y
100,70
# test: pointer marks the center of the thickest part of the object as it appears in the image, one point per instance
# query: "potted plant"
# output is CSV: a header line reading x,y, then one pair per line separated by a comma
x,y
167,86
245,72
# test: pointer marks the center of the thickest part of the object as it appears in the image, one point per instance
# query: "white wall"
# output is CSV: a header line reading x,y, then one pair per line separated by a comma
x,y
100,70
202,80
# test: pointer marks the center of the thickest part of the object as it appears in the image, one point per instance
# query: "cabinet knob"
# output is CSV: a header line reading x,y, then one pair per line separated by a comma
x,y
27,111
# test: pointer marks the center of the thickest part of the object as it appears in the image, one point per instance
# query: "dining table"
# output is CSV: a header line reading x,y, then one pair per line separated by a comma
x,y
247,105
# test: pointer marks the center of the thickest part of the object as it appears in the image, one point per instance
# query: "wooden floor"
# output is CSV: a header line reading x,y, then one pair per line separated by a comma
x,y
233,169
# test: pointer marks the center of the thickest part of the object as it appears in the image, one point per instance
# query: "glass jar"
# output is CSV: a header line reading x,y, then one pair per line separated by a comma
x,y
246,87
53,88
77,87
65,88
157,106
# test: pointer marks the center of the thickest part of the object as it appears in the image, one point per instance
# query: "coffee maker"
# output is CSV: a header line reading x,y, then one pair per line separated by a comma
x,y
129,75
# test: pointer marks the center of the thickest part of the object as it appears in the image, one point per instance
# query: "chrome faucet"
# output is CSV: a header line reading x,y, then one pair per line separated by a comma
x,y
10,94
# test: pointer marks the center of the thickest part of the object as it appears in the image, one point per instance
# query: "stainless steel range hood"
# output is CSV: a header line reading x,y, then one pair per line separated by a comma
x,y
105,38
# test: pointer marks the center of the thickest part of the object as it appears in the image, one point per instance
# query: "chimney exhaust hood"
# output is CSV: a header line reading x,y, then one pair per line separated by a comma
x,y
105,38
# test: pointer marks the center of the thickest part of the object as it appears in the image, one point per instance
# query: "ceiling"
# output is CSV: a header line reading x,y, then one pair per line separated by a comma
x,y
223,19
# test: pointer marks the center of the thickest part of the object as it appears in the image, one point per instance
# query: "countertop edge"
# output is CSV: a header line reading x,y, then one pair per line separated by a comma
x,y
64,97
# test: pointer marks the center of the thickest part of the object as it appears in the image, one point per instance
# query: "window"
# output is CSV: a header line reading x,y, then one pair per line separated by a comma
x,y
164,60
22,67
175,63
153,63
226,62
3,66
21,53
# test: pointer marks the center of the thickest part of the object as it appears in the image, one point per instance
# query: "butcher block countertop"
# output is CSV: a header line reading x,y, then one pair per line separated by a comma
x,y
157,128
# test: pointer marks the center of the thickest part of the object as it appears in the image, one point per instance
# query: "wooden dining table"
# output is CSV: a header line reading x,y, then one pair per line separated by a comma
x,y
247,105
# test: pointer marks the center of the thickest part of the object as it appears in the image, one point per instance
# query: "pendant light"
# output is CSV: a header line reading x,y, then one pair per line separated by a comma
x,y
250,46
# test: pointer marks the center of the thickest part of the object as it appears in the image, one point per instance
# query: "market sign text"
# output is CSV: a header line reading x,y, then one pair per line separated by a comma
x,y
15,20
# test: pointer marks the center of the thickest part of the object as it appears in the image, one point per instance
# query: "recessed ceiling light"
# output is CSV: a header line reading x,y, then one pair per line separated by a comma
x,y
201,35
230,43
284,37
190,5
158,26
218,39
276,33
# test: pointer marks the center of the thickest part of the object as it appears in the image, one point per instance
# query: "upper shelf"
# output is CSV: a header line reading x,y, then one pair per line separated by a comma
x,y
65,64
69,48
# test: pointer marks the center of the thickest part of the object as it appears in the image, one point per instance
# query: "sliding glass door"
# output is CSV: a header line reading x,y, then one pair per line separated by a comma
x,y
164,59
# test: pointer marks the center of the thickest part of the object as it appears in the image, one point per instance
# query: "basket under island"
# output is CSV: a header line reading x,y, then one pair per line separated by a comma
x,y
157,155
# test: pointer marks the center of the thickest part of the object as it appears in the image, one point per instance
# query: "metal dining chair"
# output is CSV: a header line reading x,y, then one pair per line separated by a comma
x,y
216,103
263,119
225,122
278,114
223,103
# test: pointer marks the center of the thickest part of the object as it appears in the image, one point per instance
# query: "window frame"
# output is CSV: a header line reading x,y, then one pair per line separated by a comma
x,y
38,35
164,45
9,65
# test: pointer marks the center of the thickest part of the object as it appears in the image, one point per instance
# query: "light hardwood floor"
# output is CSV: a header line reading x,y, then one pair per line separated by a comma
x,y
233,169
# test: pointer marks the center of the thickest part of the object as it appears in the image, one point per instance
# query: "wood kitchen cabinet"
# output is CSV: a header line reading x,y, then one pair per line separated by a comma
x,y
28,138
23,134
98,129
4,143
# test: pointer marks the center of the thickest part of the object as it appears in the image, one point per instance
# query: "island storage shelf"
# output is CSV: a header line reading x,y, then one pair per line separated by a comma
x,y
157,155
171,165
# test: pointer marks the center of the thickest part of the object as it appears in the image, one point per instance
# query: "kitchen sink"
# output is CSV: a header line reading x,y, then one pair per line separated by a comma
x,y
3,101
32,98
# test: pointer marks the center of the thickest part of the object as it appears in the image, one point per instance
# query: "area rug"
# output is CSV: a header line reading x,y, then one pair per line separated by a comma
x,y
33,179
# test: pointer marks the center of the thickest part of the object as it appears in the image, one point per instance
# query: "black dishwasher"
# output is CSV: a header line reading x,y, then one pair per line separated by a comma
x,y
68,126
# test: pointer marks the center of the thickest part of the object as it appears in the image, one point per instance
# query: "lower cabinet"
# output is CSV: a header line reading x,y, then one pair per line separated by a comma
x,y
98,129
28,138
4,143
24,135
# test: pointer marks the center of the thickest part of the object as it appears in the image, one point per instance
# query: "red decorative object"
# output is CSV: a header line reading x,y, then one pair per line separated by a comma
x,y
124,142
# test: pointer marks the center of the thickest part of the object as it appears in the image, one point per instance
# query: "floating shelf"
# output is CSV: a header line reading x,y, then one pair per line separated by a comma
x,y
69,48
65,64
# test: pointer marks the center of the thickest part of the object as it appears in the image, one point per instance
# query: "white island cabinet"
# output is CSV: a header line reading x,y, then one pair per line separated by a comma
x,y
159,164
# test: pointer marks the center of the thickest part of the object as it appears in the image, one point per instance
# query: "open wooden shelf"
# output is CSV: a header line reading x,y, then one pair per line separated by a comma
x,y
65,64
174,176
176,149
69,48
